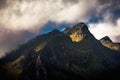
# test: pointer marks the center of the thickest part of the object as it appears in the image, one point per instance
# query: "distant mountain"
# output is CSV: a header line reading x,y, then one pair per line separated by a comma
x,y
73,54
106,41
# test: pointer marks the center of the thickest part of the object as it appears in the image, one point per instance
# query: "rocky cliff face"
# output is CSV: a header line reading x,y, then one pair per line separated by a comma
x,y
78,32
106,41
71,54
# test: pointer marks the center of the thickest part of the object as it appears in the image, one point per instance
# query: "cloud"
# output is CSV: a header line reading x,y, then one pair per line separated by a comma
x,y
110,6
21,18
75,13
29,14
2,4
10,39
106,28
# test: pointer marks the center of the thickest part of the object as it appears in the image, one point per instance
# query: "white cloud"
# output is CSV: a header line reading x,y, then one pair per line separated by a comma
x,y
33,14
75,12
102,29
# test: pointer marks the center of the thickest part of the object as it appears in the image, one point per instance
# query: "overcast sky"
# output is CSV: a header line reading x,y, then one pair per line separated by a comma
x,y
20,20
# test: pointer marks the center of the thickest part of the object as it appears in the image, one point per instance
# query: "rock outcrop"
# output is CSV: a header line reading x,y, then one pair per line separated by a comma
x,y
107,42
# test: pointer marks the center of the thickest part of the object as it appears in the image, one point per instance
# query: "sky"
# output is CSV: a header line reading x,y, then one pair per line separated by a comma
x,y
21,20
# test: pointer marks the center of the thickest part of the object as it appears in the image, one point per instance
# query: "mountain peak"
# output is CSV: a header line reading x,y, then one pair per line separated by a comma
x,y
107,42
78,32
81,25
106,38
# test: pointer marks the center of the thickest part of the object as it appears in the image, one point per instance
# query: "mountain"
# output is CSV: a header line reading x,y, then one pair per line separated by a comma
x,y
77,32
68,55
106,41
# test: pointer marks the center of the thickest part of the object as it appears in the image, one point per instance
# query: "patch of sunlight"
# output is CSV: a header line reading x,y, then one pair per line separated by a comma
x,y
76,37
14,68
40,47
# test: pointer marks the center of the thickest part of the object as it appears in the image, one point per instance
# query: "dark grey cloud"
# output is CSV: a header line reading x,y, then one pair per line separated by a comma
x,y
70,1
111,6
10,39
111,3
3,4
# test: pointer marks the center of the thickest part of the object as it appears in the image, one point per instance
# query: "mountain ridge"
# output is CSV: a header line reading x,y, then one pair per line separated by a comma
x,y
58,55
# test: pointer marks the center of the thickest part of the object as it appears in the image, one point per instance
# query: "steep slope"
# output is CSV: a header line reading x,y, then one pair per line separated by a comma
x,y
106,41
13,62
71,54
